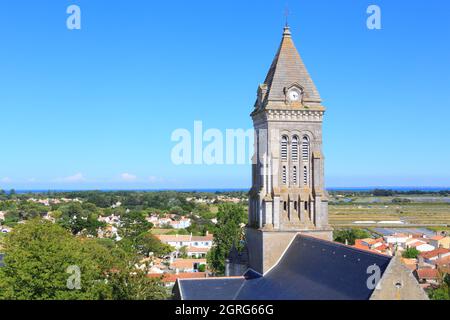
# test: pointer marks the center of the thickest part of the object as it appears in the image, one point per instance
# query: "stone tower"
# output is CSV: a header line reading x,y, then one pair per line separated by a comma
x,y
287,195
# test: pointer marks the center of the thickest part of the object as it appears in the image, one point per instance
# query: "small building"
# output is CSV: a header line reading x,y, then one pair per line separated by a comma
x,y
187,265
420,245
169,279
440,241
427,276
183,223
436,254
398,239
202,241
374,245
197,252
177,241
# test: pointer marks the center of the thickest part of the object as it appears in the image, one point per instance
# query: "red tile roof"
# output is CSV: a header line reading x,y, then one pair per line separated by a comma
x,y
443,261
434,253
209,237
197,249
430,274
437,238
186,263
171,277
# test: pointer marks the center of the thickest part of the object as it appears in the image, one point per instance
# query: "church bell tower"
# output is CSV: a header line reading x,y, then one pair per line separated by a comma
x,y
288,194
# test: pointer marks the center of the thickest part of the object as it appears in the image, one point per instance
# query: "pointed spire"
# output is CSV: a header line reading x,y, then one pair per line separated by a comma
x,y
288,69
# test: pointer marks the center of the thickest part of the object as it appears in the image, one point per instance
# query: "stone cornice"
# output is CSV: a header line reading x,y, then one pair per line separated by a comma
x,y
291,115
304,113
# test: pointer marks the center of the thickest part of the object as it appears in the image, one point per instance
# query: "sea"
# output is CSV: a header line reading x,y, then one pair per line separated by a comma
x,y
212,190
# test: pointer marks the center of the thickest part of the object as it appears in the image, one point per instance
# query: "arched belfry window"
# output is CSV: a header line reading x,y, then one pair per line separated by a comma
x,y
284,175
295,148
305,159
284,147
305,149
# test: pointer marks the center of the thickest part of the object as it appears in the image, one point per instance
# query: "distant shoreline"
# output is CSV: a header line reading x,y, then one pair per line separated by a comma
x,y
211,190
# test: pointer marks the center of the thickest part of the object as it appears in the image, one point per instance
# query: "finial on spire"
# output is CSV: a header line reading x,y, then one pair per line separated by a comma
x,y
286,15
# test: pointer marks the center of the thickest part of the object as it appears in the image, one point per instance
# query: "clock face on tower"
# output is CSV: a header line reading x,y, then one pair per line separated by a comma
x,y
294,95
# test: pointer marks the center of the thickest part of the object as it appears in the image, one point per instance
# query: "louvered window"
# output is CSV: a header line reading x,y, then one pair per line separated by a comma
x,y
305,149
295,149
284,147
305,175
284,175
294,174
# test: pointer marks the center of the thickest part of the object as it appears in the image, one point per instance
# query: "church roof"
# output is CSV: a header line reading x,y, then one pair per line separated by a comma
x,y
288,69
311,269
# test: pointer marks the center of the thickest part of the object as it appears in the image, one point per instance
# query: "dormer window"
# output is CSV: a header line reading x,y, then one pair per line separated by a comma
x,y
294,94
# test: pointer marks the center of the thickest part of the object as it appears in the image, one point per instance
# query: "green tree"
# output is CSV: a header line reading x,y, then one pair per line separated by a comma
x,y
79,218
227,233
12,217
37,255
183,252
411,253
147,243
135,285
350,235
133,224
443,291
202,268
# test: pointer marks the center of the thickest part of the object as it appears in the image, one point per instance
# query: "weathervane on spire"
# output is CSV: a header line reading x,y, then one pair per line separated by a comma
x,y
286,14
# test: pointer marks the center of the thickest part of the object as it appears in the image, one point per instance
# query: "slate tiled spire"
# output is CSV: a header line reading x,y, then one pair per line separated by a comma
x,y
288,69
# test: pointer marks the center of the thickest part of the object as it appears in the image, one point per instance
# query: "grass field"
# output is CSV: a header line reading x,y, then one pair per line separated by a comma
x,y
410,213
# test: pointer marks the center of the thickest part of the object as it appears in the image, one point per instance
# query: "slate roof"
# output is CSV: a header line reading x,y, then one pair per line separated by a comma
x,y
311,269
287,69
208,289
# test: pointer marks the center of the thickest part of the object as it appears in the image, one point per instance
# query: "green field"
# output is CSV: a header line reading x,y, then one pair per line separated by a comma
x,y
410,213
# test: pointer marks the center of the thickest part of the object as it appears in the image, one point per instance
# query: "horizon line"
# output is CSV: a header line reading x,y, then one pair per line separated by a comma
x,y
360,188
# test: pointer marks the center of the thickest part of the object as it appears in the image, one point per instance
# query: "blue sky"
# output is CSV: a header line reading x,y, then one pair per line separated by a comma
x,y
96,107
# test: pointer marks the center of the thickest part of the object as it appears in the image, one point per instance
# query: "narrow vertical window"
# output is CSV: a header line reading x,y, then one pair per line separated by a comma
x,y
294,175
284,175
295,148
305,149
305,175
305,159
284,147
